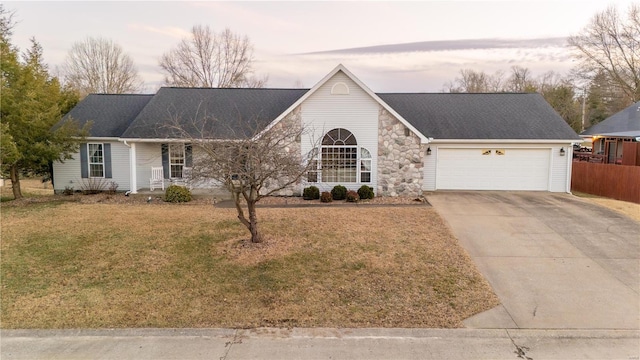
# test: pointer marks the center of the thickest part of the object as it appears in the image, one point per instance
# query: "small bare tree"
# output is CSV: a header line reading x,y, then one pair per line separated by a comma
x,y
471,81
611,45
210,59
98,65
250,163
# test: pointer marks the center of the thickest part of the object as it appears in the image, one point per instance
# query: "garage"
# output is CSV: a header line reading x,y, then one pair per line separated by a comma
x,y
493,168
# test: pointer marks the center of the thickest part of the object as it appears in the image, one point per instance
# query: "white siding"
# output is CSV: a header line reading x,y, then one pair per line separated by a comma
x,y
67,174
429,177
531,167
356,112
560,168
148,155
120,165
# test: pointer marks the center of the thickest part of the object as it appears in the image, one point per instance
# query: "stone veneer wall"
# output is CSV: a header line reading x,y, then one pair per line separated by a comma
x,y
294,119
400,158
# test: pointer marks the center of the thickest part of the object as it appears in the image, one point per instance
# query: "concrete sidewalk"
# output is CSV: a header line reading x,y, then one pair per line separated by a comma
x,y
320,343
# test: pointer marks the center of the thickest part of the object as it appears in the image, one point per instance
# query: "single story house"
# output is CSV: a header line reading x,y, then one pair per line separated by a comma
x,y
398,143
616,135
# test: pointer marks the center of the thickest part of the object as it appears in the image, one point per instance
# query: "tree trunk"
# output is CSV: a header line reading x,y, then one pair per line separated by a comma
x,y
253,222
15,182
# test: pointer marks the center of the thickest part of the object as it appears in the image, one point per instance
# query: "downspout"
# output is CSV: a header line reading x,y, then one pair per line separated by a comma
x,y
133,179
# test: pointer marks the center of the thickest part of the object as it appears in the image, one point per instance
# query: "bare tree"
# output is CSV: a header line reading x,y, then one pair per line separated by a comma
x,y
559,92
471,81
209,59
98,65
521,80
611,45
251,163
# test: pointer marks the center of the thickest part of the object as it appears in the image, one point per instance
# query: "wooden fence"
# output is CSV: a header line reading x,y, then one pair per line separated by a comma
x,y
620,182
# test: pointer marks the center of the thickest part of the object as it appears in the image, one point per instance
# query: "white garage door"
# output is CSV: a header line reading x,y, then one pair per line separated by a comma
x,y
493,169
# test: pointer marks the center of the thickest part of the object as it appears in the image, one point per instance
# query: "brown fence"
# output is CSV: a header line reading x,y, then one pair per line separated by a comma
x,y
620,182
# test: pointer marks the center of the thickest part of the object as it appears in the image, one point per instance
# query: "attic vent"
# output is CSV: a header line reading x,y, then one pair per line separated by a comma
x,y
340,89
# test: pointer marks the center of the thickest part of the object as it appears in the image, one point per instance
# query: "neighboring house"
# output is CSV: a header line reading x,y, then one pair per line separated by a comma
x,y
400,144
616,135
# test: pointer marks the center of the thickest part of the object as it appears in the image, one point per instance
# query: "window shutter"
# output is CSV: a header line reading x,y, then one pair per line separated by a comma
x,y
187,154
106,148
84,161
165,161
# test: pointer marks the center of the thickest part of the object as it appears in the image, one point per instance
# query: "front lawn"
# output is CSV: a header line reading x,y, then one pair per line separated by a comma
x,y
79,265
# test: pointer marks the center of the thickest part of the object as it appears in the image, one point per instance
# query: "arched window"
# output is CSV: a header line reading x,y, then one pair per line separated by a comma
x,y
339,156
340,160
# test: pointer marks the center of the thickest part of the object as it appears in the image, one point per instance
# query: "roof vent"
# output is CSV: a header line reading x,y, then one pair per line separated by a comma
x,y
340,89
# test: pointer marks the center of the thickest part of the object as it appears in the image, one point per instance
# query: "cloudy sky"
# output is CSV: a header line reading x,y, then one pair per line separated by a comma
x,y
390,46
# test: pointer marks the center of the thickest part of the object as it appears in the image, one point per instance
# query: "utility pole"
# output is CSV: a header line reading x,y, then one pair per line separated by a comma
x,y
584,101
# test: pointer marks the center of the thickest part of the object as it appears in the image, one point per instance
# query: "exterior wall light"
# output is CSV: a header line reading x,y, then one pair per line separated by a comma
x,y
562,151
429,150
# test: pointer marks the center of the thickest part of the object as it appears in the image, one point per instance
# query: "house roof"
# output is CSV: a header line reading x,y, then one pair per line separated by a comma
x,y
111,114
232,113
210,112
481,116
625,121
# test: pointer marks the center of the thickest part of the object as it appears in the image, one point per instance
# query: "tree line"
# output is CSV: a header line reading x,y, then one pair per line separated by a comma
x,y
605,80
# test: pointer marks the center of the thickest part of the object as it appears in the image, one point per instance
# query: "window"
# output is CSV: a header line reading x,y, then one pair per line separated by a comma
x,y
340,160
96,160
312,174
365,165
339,156
176,160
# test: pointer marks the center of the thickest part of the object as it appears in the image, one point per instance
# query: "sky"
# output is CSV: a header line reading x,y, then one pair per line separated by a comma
x,y
392,46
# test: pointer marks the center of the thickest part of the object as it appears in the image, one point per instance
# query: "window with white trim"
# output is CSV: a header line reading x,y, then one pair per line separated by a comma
x,y
96,160
365,165
339,156
176,160
312,174
340,160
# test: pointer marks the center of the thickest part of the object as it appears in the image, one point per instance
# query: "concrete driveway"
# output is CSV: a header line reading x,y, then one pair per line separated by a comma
x,y
554,260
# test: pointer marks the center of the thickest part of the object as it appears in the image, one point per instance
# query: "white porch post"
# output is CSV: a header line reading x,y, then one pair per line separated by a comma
x,y
132,169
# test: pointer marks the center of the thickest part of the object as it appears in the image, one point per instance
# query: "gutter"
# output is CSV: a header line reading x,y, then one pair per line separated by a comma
x,y
508,141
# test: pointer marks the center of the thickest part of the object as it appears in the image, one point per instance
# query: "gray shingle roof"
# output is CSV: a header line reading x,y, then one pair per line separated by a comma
x,y
111,114
220,113
625,121
481,116
240,112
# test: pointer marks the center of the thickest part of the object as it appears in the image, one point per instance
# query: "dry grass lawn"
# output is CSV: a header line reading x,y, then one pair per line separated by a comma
x,y
79,265
627,208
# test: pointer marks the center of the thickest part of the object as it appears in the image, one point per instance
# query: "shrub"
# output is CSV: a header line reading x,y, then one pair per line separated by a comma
x,y
68,190
339,192
112,187
366,192
326,197
90,186
352,196
176,194
311,193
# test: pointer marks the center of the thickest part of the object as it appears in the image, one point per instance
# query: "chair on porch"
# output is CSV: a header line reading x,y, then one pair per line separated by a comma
x,y
157,178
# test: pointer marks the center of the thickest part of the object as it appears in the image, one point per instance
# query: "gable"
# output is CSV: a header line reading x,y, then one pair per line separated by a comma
x,y
342,100
338,90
